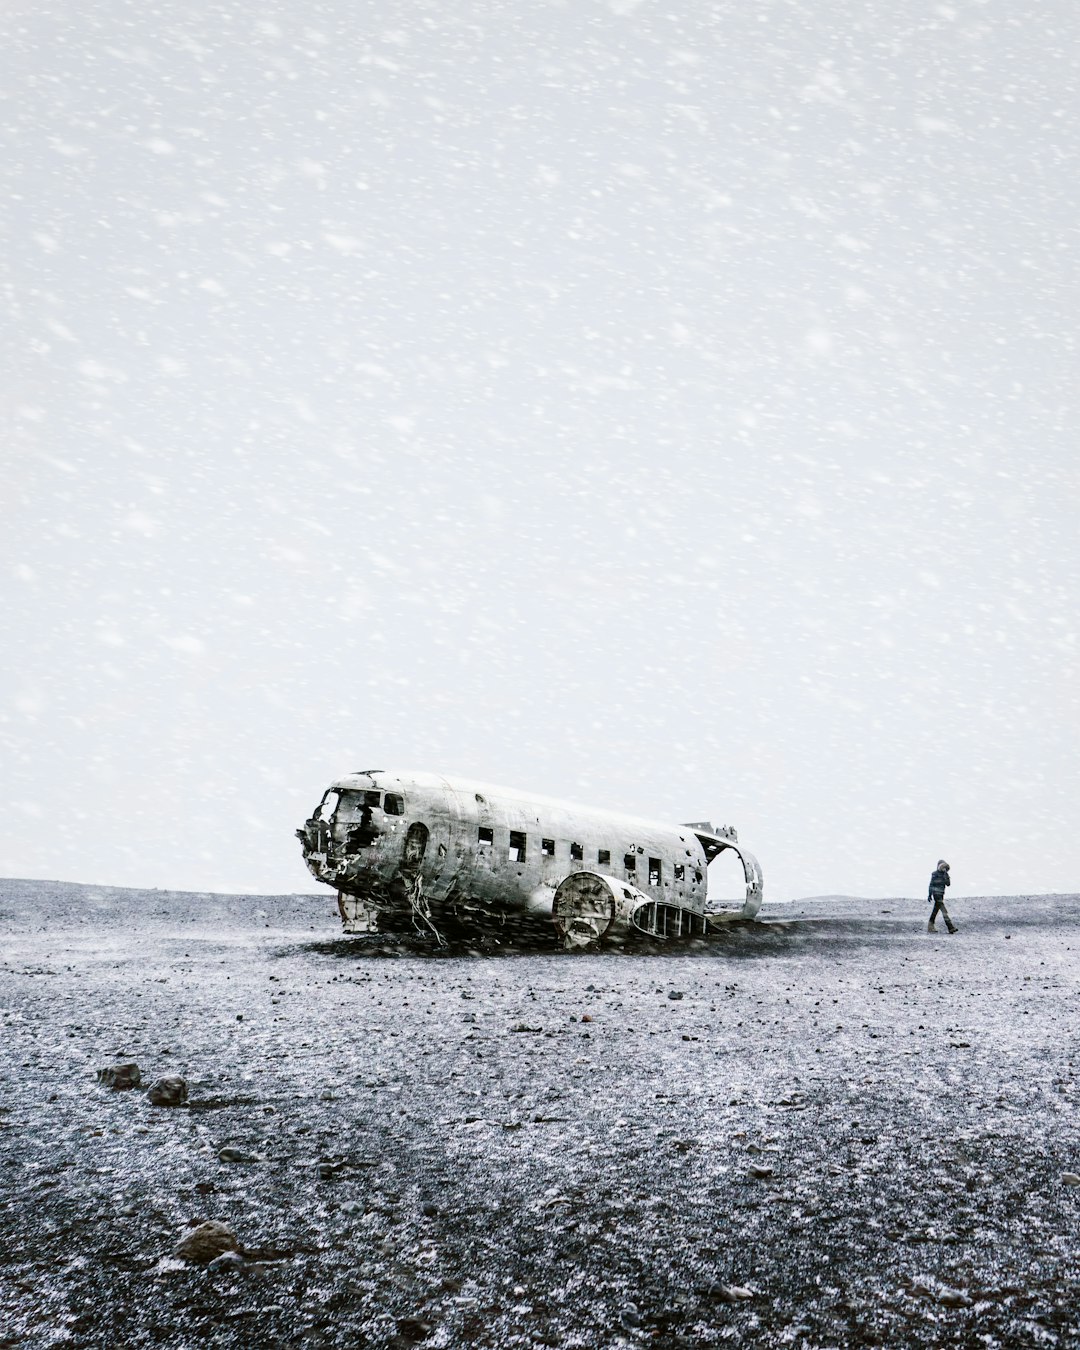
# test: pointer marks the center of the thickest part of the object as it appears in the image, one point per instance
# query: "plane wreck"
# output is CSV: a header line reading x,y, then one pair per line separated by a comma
x,y
440,856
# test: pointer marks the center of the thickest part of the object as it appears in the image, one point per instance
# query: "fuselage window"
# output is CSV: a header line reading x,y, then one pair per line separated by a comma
x,y
630,862
394,805
603,857
577,853
547,847
372,797
486,834
654,871
517,846
680,871
327,806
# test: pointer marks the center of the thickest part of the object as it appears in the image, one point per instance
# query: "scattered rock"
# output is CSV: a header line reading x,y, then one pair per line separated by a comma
x,y
675,994
629,1317
206,1242
730,1293
120,1077
226,1263
1070,1179
235,1155
414,1328
760,1170
953,1298
170,1091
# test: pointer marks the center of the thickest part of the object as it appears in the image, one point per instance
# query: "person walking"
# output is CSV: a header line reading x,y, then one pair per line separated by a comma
x,y
938,881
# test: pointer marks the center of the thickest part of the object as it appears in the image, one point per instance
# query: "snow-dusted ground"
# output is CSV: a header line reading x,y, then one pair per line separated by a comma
x,y
509,1149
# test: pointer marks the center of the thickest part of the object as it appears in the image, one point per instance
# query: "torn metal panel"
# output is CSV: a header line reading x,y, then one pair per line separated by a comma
x,y
432,854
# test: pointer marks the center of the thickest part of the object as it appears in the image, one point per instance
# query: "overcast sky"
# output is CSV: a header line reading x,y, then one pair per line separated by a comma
x,y
669,406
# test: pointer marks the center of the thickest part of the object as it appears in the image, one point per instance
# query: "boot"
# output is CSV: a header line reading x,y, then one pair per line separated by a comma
x,y
952,928
930,928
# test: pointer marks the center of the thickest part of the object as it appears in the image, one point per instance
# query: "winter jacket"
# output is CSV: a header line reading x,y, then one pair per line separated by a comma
x,y
938,882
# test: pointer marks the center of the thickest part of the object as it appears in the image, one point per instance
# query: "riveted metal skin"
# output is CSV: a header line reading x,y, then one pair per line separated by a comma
x,y
420,851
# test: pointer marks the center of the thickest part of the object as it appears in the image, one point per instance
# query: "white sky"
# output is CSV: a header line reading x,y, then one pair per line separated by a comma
x,y
670,406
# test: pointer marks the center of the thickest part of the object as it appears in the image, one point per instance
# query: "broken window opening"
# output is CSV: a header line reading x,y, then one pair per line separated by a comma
x,y
415,845
654,871
327,806
680,871
362,835
517,846
630,862
577,853
486,834
394,805
372,797
547,848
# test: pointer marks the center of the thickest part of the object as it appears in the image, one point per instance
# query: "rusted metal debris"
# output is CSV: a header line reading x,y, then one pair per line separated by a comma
x,y
418,852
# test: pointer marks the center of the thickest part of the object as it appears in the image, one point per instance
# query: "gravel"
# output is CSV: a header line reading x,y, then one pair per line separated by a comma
x,y
844,1132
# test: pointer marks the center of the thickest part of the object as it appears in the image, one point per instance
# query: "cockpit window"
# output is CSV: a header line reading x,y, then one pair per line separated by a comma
x,y
327,806
355,804
395,805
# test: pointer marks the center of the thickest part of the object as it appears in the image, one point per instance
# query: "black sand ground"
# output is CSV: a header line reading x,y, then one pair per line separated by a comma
x,y
507,1150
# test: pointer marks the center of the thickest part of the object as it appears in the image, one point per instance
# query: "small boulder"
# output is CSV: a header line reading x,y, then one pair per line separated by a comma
x,y
730,1293
206,1243
227,1263
954,1298
1070,1179
675,994
120,1077
170,1091
228,1154
411,1330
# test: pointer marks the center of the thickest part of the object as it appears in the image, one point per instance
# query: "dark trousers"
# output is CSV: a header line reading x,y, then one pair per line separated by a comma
x,y
939,908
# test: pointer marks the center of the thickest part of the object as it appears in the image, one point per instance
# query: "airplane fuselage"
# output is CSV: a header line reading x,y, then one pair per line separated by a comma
x,y
445,852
